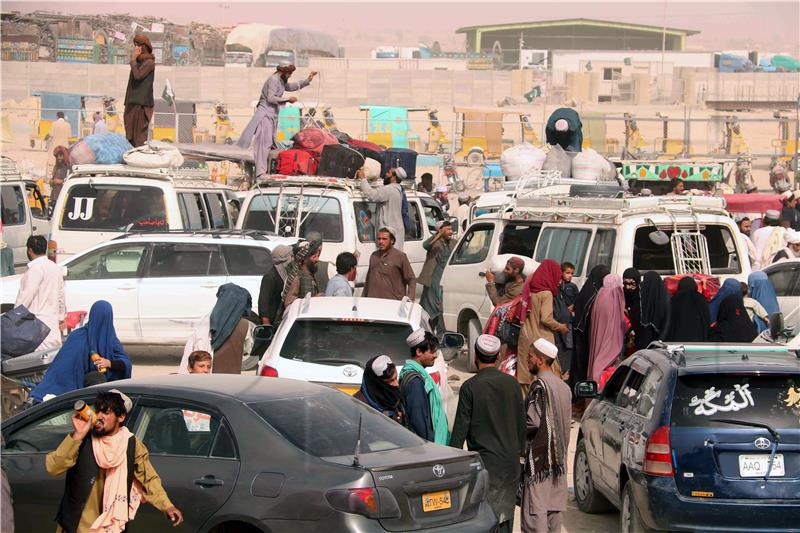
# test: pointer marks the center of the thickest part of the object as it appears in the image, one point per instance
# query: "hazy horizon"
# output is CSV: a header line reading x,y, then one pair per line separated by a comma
x,y
768,26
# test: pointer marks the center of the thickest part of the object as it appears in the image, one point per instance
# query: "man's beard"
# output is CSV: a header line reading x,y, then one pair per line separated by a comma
x,y
312,267
387,181
102,432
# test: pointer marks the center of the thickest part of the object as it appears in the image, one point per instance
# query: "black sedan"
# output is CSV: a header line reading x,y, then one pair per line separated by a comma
x,y
245,454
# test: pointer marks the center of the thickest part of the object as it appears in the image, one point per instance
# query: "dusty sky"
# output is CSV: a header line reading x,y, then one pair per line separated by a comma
x,y
769,26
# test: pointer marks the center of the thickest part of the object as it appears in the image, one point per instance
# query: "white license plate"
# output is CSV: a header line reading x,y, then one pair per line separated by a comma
x,y
756,465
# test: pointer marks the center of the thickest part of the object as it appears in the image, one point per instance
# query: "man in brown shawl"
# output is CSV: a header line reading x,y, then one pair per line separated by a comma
x,y
139,94
548,410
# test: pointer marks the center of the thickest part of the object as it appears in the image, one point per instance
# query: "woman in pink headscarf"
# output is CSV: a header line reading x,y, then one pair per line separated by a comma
x,y
608,328
536,314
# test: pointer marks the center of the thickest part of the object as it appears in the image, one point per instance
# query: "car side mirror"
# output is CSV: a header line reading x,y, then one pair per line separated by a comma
x,y
659,238
65,271
263,333
775,325
450,345
586,389
454,223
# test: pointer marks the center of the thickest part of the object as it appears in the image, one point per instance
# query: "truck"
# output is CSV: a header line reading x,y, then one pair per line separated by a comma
x,y
260,45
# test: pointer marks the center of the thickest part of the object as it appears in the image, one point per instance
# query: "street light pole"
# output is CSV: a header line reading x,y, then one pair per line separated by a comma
x,y
663,44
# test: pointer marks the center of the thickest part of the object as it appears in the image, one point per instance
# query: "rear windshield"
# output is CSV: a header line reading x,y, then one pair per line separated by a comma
x,y
326,425
318,215
338,342
722,254
700,400
114,208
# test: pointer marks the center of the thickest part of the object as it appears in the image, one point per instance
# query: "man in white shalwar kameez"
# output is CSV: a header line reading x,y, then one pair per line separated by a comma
x,y
41,290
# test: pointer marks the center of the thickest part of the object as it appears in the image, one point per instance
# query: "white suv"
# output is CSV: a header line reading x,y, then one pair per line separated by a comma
x,y
159,284
328,340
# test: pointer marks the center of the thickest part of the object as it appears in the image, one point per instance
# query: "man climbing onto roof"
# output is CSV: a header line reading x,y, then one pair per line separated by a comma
x,y
389,198
264,124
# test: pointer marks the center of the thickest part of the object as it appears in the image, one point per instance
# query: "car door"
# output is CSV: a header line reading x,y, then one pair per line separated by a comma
x,y
40,221
194,452
601,410
785,277
16,226
36,495
179,287
246,266
112,273
462,282
619,421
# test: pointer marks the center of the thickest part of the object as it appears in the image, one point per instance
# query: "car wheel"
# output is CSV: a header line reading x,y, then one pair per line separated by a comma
x,y
249,362
630,519
588,498
473,332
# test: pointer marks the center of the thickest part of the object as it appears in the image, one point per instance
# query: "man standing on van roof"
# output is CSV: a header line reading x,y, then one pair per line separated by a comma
x,y
60,132
389,199
264,124
139,94
41,290
390,274
548,413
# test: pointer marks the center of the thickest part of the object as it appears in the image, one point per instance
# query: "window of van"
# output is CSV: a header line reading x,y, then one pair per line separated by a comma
x,y
721,251
217,210
519,239
192,210
36,201
602,248
13,205
474,247
365,213
564,244
114,208
319,214
182,259
433,213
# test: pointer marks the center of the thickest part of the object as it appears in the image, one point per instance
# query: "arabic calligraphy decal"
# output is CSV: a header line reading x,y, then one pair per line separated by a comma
x,y
706,405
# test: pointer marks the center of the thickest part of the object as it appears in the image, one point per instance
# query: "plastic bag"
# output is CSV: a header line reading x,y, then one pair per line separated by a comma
x,y
81,154
558,159
154,155
521,159
588,165
108,148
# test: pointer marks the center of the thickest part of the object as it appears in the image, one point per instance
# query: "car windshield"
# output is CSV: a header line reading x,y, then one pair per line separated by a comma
x,y
115,208
722,254
318,215
702,399
326,425
338,342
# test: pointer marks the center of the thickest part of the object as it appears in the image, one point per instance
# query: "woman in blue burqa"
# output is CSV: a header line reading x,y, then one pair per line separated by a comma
x,y
73,363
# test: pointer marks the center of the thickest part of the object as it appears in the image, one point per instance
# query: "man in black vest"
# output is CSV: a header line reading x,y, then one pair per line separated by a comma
x,y
139,94
107,474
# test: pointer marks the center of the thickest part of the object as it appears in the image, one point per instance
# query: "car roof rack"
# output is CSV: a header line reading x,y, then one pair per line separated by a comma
x,y
128,171
308,181
258,235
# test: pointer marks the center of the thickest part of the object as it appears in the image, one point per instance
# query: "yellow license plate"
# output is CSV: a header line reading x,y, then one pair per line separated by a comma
x,y
348,390
436,501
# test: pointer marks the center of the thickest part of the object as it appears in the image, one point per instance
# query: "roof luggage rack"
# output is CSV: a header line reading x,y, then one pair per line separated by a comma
x,y
255,234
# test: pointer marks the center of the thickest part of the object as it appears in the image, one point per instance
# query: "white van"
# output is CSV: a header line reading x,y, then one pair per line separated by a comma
x,y
24,210
337,210
619,232
101,202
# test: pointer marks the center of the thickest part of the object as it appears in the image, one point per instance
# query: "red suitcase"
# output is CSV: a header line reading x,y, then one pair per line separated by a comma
x,y
707,285
294,162
313,140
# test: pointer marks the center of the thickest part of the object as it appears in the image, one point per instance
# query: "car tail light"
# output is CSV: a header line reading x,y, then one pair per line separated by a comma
x,y
658,454
268,372
370,502
51,250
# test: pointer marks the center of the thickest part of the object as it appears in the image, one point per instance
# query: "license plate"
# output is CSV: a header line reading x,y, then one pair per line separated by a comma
x,y
756,465
351,390
436,501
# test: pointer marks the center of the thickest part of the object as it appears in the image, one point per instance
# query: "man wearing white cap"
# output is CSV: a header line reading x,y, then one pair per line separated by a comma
x,y
108,474
792,250
768,239
422,400
440,194
790,217
264,124
491,420
438,248
390,274
390,201
548,413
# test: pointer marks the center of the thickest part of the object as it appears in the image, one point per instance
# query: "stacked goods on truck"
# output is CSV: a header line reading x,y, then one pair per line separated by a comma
x,y
246,45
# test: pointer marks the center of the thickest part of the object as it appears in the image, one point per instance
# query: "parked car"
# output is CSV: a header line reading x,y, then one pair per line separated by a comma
x,y
329,340
694,438
339,212
160,283
245,454
101,202
785,278
24,210
618,232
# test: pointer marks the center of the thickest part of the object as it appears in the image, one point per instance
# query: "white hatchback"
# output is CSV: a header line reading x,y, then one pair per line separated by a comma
x,y
160,284
328,340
